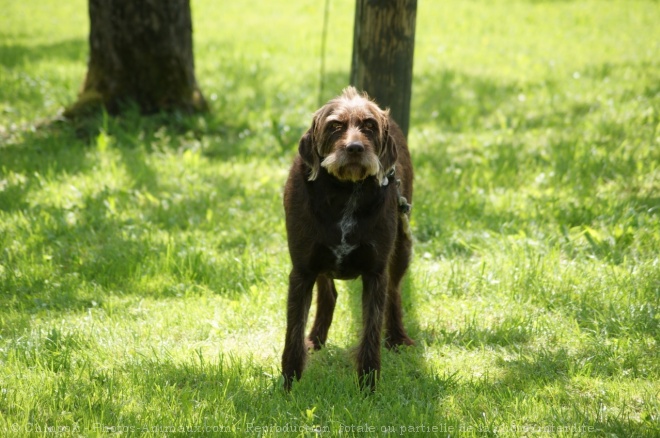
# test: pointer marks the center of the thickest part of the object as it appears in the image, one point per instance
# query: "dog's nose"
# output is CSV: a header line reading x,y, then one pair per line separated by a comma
x,y
355,147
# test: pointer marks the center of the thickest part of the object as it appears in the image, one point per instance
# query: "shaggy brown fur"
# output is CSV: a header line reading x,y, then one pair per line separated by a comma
x,y
346,204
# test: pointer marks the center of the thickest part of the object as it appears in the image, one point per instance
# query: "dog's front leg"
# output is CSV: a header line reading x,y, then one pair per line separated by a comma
x,y
298,303
374,294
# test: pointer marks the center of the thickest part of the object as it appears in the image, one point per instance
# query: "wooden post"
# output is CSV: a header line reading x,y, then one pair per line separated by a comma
x,y
140,52
383,46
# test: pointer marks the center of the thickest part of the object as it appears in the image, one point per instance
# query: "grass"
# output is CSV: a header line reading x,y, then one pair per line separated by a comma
x,y
143,263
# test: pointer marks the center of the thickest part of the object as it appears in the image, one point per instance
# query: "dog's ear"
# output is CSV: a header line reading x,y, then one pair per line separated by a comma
x,y
308,153
388,151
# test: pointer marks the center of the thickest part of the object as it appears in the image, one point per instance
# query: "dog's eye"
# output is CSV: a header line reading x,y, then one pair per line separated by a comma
x,y
369,125
335,126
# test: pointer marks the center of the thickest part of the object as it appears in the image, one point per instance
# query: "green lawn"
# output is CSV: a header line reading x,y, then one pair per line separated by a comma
x,y
143,261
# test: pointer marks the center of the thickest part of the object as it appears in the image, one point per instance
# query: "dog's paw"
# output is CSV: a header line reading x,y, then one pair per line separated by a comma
x,y
400,341
314,342
368,380
310,345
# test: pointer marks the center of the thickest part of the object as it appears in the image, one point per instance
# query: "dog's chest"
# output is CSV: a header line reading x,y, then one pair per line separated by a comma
x,y
346,226
349,225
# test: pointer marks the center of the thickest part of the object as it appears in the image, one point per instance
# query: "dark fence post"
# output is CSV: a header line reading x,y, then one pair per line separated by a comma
x,y
383,47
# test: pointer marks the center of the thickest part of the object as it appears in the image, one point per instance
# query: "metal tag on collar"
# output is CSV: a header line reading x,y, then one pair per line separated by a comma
x,y
389,176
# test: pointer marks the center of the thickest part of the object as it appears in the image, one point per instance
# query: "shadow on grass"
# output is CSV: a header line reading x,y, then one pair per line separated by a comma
x,y
241,392
84,246
509,332
29,156
17,55
454,101
91,245
88,245
84,249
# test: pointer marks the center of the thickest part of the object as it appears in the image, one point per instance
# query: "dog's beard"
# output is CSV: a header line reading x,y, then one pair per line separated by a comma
x,y
347,169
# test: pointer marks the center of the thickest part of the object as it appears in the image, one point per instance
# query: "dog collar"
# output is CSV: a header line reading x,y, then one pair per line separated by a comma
x,y
389,177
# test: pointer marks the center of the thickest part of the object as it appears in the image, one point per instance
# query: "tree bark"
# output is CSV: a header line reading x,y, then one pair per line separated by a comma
x,y
383,47
141,52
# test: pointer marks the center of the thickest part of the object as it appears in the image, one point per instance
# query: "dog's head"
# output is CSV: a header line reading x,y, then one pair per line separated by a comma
x,y
350,138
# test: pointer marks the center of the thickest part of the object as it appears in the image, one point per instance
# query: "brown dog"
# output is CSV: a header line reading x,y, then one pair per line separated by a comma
x,y
346,204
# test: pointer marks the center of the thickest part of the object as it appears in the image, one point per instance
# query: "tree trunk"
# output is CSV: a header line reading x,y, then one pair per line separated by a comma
x,y
383,46
140,52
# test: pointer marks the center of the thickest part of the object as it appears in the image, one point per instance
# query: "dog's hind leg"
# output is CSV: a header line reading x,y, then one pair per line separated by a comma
x,y
298,303
325,308
395,333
